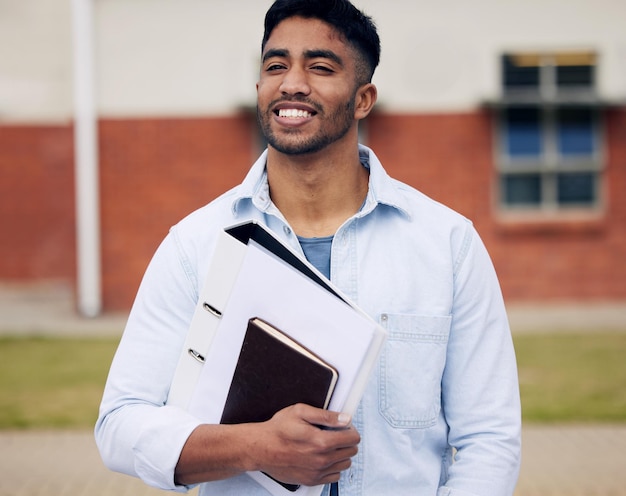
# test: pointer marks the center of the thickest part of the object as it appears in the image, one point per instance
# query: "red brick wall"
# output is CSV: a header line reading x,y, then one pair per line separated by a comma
x,y
581,258
36,203
450,158
155,171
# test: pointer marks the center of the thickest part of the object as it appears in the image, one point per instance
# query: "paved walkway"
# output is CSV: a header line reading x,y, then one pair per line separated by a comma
x,y
558,460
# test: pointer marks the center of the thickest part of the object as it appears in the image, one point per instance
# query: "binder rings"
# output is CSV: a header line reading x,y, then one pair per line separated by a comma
x,y
253,274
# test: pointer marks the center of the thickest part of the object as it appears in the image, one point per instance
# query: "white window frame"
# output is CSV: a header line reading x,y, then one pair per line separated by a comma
x,y
548,98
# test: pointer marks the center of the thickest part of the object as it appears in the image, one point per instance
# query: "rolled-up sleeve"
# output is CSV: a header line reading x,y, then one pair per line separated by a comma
x,y
136,432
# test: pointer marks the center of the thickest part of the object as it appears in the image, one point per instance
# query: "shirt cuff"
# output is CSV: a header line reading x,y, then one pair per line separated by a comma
x,y
159,444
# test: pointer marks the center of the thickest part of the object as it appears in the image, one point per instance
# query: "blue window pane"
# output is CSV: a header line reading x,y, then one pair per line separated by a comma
x,y
575,132
521,190
576,188
523,132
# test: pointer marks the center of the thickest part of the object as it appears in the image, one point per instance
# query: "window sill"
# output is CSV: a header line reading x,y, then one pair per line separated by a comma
x,y
568,222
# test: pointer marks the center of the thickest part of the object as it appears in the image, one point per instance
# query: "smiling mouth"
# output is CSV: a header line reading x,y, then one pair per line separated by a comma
x,y
294,113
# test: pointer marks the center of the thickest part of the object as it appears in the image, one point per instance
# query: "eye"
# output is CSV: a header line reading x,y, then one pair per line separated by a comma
x,y
274,66
322,68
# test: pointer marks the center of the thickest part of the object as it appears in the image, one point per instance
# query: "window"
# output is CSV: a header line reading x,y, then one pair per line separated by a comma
x,y
549,153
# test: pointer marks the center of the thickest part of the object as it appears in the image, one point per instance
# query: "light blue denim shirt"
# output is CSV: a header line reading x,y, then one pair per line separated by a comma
x,y
441,413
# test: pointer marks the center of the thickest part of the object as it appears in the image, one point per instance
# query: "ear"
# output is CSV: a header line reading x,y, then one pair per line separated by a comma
x,y
365,99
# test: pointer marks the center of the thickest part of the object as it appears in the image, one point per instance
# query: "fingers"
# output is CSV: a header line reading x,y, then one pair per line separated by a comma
x,y
311,473
333,429
309,445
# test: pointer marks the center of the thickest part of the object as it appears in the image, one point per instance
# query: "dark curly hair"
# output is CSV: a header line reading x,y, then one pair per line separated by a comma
x,y
357,28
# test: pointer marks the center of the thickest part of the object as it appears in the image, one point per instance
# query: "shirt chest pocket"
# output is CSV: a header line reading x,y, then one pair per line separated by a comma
x,y
411,367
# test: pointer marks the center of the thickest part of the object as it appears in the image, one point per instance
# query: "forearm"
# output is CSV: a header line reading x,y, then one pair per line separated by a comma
x,y
215,452
291,447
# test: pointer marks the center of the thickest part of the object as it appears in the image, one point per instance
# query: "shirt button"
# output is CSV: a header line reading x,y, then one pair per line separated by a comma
x,y
287,230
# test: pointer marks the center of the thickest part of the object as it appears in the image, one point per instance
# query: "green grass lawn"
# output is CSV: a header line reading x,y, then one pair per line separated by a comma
x,y
57,382
578,378
52,382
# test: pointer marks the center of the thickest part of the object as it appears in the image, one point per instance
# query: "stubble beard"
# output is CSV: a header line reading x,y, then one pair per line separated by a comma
x,y
337,126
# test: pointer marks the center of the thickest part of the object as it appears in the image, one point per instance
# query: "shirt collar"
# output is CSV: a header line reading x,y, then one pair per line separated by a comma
x,y
382,188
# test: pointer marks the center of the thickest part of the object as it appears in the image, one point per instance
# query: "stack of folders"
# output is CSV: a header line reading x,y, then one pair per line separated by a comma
x,y
270,331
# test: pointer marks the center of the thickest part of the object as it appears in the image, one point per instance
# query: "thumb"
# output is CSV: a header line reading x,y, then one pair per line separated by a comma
x,y
329,419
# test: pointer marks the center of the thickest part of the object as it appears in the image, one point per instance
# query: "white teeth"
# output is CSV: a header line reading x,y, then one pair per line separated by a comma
x,y
293,113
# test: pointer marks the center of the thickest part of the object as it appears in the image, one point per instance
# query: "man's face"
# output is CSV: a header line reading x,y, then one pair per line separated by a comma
x,y
306,92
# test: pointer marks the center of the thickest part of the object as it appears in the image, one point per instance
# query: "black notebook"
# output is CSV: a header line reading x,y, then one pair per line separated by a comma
x,y
273,371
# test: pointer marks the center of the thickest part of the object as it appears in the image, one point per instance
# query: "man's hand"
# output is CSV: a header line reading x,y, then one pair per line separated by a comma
x,y
306,445
298,445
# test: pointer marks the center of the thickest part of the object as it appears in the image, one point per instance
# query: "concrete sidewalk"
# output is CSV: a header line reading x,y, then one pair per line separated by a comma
x,y
557,461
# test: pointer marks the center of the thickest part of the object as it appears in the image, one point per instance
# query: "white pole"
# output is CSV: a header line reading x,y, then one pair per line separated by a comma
x,y
86,163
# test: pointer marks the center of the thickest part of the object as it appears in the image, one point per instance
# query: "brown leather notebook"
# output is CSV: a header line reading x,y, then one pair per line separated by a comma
x,y
274,371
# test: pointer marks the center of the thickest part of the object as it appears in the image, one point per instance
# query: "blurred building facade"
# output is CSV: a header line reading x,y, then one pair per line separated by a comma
x,y
512,113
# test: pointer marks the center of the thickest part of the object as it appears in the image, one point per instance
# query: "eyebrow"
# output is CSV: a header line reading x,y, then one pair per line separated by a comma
x,y
275,52
308,54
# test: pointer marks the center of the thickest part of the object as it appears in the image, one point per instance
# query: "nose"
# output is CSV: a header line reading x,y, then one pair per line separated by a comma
x,y
295,82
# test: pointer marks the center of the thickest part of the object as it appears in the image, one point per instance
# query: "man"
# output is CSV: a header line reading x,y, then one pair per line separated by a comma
x,y
440,415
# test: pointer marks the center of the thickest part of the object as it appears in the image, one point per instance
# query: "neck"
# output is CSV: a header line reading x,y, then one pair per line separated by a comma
x,y
319,192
